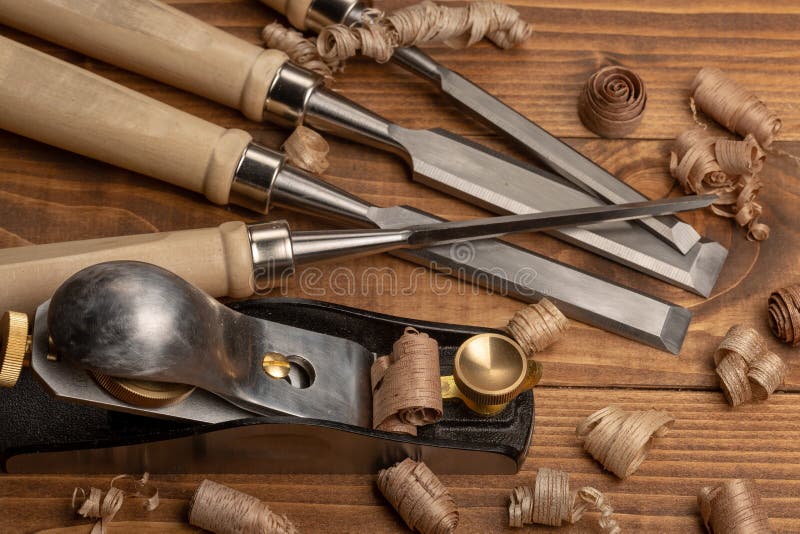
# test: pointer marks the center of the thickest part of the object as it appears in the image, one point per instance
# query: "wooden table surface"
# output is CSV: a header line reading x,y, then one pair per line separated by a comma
x,y
48,195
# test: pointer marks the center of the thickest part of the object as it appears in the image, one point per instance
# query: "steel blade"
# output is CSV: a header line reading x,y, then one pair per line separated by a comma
x,y
556,154
503,185
526,276
498,184
484,228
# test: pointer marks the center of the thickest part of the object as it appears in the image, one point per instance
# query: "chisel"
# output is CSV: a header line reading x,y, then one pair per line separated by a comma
x,y
316,14
164,43
238,259
72,108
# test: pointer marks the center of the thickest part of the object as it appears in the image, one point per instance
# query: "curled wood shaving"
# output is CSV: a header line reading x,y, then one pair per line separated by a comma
x,y
612,102
620,440
419,497
733,507
406,387
96,506
729,168
307,149
550,502
301,50
784,314
733,106
537,326
380,34
747,370
304,148
223,510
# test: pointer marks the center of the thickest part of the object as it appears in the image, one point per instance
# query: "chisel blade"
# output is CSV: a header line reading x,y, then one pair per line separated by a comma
x,y
556,154
484,228
526,276
502,185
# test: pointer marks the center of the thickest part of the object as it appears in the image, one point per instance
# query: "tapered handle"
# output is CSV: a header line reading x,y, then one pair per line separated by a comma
x,y
295,10
158,41
217,260
52,101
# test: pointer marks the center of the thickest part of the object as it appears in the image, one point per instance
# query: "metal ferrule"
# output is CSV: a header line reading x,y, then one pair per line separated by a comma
x,y
323,13
321,245
300,191
298,96
273,257
255,177
289,93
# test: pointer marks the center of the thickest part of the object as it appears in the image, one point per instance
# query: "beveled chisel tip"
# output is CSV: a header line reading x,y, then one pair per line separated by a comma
x,y
706,268
675,328
682,235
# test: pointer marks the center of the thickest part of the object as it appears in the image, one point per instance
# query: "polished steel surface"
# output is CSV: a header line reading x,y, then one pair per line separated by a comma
x,y
556,154
287,97
138,321
456,231
504,268
298,190
519,273
254,177
272,254
324,245
68,381
502,185
323,13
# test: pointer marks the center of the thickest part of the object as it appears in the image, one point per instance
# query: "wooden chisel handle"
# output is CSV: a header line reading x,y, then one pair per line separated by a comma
x,y
295,10
158,41
217,260
52,101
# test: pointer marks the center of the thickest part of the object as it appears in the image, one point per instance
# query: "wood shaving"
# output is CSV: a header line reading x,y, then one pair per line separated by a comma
x,y
307,150
419,497
612,102
223,510
726,167
537,326
784,314
406,386
550,502
747,370
733,507
96,506
733,106
301,50
380,34
620,440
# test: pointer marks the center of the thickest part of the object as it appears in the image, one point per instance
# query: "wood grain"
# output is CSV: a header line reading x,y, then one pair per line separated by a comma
x,y
708,443
48,195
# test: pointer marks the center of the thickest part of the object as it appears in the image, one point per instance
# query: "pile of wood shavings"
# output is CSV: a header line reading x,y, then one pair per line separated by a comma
x,y
726,167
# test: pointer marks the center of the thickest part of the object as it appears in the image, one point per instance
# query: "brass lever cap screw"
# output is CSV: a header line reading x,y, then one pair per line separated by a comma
x,y
13,347
491,369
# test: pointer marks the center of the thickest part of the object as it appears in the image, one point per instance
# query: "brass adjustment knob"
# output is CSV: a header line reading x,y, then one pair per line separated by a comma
x,y
489,371
144,393
14,346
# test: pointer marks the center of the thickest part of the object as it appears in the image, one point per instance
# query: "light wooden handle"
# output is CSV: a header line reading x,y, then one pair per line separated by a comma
x,y
52,101
295,10
158,41
217,260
